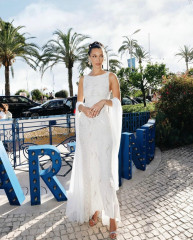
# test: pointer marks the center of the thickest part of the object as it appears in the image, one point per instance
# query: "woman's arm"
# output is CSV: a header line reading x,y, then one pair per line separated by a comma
x,y
2,114
114,86
80,98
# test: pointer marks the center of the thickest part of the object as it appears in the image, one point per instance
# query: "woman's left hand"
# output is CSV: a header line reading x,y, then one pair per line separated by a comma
x,y
96,108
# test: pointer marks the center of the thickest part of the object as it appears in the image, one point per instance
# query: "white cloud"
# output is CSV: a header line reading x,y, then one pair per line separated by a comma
x,y
42,19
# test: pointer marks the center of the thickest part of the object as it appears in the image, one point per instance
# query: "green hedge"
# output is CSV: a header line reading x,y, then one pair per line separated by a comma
x,y
174,120
150,107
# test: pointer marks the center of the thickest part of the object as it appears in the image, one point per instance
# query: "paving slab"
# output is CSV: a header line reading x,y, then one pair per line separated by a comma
x,y
155,204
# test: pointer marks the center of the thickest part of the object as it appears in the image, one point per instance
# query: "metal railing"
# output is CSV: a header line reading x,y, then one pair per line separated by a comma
x,y
18,134
132,121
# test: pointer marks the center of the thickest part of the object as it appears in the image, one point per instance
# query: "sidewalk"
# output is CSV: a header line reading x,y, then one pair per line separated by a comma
x,y
155,204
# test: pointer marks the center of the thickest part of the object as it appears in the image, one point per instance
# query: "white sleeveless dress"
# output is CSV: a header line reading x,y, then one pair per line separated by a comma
x,y
92,185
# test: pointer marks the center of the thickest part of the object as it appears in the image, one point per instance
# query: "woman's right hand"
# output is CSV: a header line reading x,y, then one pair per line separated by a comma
x,y
87,111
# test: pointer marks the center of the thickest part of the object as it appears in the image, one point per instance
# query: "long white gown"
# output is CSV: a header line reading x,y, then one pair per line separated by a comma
x,y
94,178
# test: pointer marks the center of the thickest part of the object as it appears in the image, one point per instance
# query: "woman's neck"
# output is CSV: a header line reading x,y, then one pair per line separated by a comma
x,y
97,71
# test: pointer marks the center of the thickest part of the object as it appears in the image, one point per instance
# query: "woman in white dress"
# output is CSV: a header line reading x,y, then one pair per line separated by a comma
x,y
94,178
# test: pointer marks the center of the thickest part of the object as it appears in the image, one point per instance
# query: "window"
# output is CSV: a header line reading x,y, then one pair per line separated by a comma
x,y
23,100
61,103
53,104
127,101
13,100
3,100
69,103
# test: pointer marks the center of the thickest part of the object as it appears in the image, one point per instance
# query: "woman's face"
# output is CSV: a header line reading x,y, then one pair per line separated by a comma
x,y
96,57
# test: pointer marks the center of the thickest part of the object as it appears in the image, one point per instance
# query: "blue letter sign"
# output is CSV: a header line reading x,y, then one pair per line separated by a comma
x,y
48,175
8,179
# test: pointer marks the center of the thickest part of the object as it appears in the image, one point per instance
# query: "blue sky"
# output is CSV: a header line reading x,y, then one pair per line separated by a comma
x,y
168,22
13,7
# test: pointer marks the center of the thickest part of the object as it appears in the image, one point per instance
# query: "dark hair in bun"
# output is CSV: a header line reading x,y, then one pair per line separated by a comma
x,y
95,45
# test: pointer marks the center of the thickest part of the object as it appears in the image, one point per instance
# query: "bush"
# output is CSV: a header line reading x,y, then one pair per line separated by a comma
x,y
22,91
190,72
150,107
36,94
174,125
62,94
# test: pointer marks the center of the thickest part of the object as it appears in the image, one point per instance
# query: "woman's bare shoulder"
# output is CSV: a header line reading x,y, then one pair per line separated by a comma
x,y
112,76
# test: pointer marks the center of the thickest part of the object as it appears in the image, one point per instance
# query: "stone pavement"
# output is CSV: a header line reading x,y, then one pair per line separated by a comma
x,y
156,204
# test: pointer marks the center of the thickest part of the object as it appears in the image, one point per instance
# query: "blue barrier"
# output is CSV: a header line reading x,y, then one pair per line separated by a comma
x,y
150,140
132,121
8,179
133,150
48,175
140,150
126,164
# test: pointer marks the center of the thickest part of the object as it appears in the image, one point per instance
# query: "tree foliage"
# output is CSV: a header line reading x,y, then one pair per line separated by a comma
x,y
141,79
175,111
125,86
128,45
13,45
36,94
190,72
62,94
65,48
186,53
21,91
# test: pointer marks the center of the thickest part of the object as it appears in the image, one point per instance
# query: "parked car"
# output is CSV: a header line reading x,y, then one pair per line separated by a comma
x,y
53,107
71,102
140,100
18,104
128,101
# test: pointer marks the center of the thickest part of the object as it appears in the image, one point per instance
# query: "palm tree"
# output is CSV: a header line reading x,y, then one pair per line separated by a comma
x,y
128,45
84,59
12,45
140,54
65,49
187,54
112,63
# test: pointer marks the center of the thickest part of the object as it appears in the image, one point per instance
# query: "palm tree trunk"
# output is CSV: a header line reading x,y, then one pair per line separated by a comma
x,y
144,102
140,67
7,86
142,87
143,93
187,66
70,81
